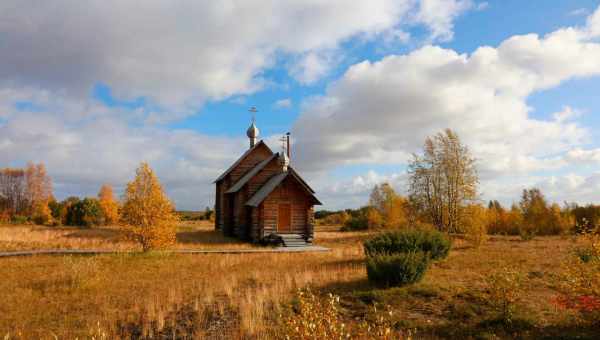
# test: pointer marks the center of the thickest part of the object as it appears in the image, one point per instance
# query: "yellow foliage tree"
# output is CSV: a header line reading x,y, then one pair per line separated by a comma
x,y
110,206
392,208
374,218
475,221
38,192
514,220
397,215
147,211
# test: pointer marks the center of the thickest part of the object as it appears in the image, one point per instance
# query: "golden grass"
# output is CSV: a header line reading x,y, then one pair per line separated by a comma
x,y
241,295
190,235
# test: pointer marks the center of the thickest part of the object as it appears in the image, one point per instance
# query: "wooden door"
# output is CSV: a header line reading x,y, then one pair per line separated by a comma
x,y
284,218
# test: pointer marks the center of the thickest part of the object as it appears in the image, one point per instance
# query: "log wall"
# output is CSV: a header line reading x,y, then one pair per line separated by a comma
x,y
289,193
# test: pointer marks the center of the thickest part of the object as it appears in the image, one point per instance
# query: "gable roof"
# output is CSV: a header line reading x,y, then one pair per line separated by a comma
x,y
241,159
248,176
272,183
301,180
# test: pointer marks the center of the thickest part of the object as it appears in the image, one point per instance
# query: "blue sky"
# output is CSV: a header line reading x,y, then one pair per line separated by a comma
x,y
360,86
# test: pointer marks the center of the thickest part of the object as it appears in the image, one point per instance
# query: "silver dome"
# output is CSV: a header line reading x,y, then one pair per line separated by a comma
x,y
252,131
284,161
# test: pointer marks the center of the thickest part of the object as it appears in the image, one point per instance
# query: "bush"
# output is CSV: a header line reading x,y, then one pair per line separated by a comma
x,y
355,224
19,219
84,213
335,219
434,243
504,288
4,216
397,269
42,219
527,234
313,317
579,282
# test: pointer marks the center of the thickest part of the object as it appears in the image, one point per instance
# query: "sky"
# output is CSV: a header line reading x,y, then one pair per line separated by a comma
x,y
91,89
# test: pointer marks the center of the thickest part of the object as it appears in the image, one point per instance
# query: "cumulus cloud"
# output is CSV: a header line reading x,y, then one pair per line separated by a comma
x,y
579,11
352,192
571,188
170,56
174,56
581,156
312,67
82,155
180,54
283,103
439,16
568,113
380,112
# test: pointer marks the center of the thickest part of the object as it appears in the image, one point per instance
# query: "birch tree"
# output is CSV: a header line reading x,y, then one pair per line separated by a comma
x,y
443,180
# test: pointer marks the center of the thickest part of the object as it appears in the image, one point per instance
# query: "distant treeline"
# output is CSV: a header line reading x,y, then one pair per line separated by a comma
x,y
25,193
443,194
533,215
26,197
187,215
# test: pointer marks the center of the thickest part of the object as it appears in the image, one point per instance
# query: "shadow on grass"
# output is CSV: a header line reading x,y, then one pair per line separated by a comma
x,y
109,234
204,237
344,263
519,328
346,287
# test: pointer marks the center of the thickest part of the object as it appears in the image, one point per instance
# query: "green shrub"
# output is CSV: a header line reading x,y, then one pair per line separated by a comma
x,y
84,213
527,234
355,224
397,269
434,243
19,219
41,219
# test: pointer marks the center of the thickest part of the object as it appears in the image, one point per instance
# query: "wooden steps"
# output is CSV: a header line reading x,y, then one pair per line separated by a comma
x,y
294,240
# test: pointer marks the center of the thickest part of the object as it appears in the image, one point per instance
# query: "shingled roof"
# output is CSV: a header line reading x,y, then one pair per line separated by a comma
x,y
240,160
248,176
272,183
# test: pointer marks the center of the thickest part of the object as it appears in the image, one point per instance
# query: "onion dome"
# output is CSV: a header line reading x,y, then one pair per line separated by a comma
x,y
284,161
252,134
252,131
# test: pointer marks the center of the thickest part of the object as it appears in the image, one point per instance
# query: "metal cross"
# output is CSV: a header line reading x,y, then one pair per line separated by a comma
x,y
253,110
283,141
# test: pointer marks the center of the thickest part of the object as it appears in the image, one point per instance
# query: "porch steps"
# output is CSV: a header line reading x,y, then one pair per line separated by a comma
x,y
294,240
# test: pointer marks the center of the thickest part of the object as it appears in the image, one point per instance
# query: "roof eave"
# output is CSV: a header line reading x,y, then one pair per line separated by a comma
x,y
223,175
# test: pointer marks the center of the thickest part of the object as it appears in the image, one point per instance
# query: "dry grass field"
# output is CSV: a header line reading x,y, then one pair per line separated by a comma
x,y
246,295
190,235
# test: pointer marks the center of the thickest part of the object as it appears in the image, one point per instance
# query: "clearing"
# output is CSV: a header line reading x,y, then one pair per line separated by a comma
x,y
246,295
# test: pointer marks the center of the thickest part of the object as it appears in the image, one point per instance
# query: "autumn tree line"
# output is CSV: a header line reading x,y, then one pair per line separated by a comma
x,y
26,196
145,212
25,193
443,194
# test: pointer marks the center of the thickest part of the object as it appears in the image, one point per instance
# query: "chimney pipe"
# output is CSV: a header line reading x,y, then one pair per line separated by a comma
x,y
289,153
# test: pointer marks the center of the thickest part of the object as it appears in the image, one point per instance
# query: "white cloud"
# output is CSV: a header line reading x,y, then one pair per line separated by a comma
x,y
179,54
173,55
380,112
82,154
283,103
439,15
482,6
571,188
579,12
352,192
568,113
312,67
581,156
